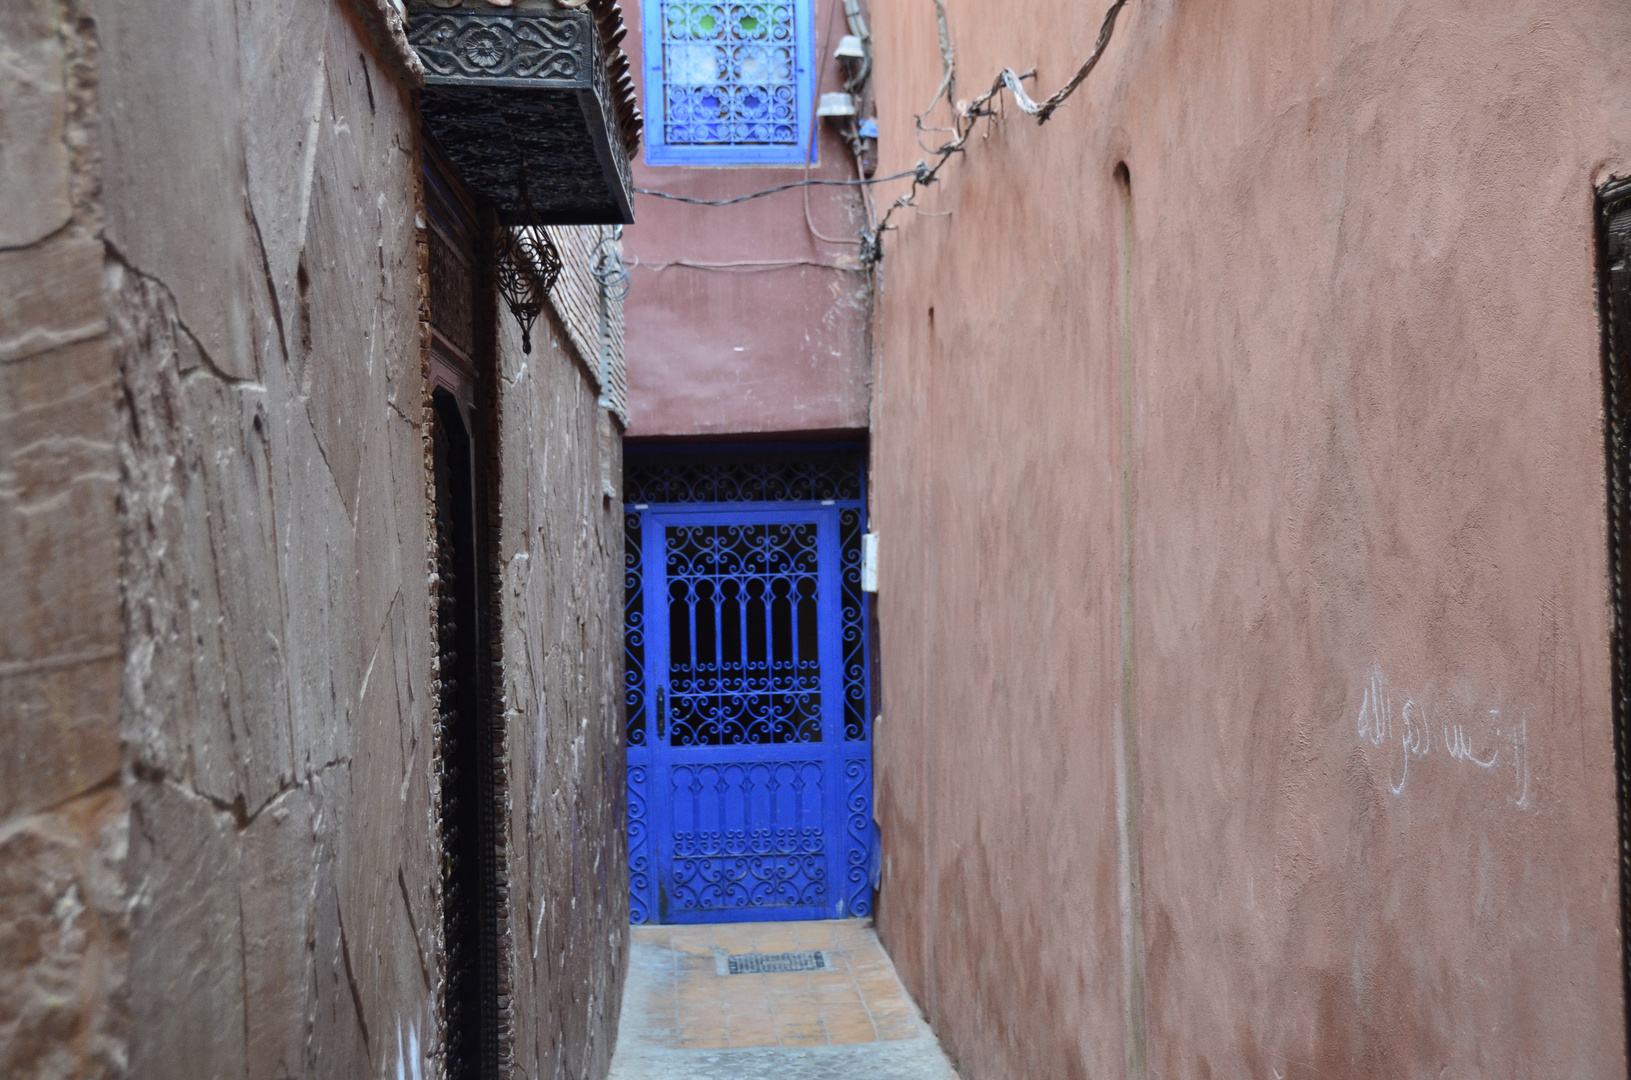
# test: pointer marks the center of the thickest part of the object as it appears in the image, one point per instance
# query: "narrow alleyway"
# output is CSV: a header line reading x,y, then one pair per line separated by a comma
x,y
839,1013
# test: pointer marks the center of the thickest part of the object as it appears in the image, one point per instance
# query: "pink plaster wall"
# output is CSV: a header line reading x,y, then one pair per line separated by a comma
x,y
1355,548
740,319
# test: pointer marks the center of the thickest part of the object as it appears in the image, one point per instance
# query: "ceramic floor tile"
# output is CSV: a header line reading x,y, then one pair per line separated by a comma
x,y
755,1035
817,1039
853,1021
892,1029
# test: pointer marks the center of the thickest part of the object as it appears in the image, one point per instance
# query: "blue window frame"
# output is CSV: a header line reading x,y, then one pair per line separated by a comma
x,y
728,83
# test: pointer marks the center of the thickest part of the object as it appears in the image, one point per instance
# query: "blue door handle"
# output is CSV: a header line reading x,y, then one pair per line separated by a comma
x,y
662,712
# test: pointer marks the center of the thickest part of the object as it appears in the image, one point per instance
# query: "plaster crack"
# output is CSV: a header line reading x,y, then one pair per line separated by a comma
x,y
111,780
174,315
373,657
308,163
266,262
243,969
14,668
291,786
38,341
68,223
351,981
237,808
413,925
149,773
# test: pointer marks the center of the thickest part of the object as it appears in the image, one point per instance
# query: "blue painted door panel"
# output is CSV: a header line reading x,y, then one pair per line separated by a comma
x,y
761,806
744,713
747,799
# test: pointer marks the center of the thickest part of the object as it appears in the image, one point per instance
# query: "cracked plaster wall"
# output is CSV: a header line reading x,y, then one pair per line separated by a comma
x,y
215,767
263,283
62,815
561,548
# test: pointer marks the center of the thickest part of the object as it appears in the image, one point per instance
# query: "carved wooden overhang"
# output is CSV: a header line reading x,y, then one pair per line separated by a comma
x,y
532,104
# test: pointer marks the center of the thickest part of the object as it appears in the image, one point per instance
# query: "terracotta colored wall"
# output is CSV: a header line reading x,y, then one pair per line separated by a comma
x,y
777,340
1288,467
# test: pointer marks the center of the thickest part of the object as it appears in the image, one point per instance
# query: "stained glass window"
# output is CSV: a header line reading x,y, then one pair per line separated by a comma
x,y
727,83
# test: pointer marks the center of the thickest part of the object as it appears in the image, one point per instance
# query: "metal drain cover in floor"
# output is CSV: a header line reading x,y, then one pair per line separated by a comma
x,y
776,963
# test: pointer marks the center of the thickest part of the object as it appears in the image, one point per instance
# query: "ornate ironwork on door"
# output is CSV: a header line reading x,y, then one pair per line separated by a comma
x,y
1614,306
744,654
750,773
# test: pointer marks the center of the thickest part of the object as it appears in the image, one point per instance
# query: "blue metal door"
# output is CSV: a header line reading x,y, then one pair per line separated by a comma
x,y
749,767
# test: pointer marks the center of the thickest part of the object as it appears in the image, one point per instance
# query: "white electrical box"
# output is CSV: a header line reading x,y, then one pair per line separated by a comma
x,y
837,103
869,562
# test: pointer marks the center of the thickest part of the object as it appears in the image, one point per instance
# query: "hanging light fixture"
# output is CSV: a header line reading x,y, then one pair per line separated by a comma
x,y
526,265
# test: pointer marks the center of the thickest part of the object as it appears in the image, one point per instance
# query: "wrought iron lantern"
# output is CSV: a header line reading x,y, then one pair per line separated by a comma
x,y
532,104
525,265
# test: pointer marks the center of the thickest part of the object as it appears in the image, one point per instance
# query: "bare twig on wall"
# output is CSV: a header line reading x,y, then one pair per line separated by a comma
x,y
964,117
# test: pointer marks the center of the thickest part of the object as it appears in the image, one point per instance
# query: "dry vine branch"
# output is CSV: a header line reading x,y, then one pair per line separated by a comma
x,y
965,117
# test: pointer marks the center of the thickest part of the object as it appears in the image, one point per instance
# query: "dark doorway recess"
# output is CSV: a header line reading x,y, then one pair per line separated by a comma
x,y
469,871
469,741
1614,283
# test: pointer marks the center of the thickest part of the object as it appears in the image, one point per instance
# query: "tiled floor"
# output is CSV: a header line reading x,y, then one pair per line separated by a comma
x,y
683,1019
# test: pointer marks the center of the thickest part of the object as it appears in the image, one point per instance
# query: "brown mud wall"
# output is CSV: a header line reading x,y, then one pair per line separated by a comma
x,y
1243,587
561,560
263,278
741,319
216,690
63,822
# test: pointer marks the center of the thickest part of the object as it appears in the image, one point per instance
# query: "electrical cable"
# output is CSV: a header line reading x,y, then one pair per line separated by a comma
x,y
746,266
858,27
948,77
809,223
815,134
964,119
868,209
811,182
608,268
862,181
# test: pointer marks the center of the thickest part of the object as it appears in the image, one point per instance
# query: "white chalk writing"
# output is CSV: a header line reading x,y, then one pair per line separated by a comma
x,y
1481,739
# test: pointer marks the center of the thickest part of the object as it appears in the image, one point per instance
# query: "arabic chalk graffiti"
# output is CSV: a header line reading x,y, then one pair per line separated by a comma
x,y
1482,739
